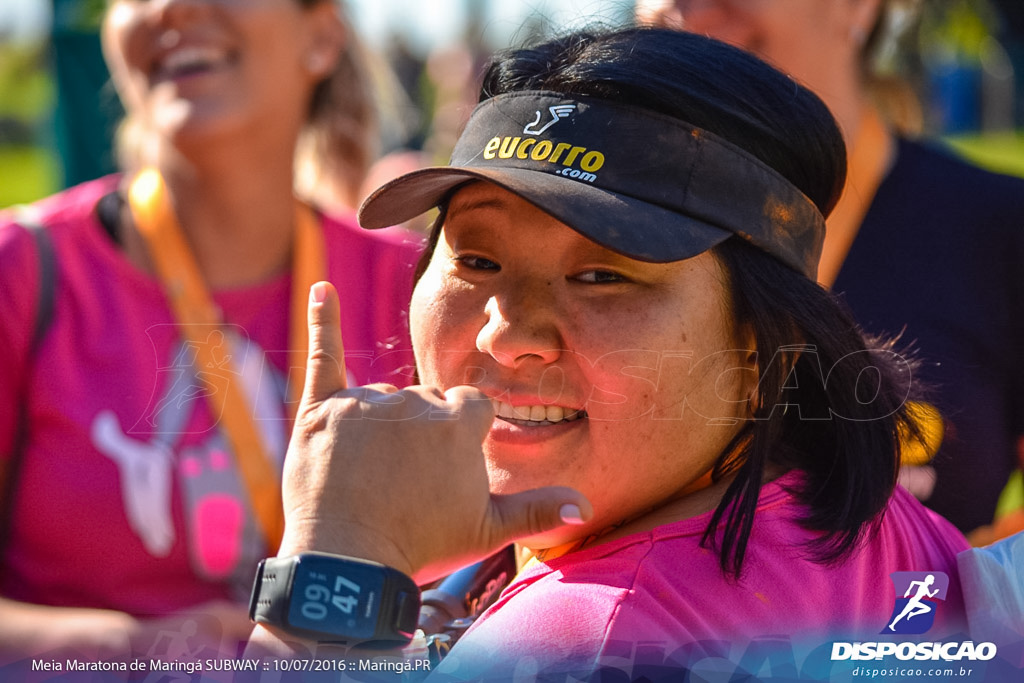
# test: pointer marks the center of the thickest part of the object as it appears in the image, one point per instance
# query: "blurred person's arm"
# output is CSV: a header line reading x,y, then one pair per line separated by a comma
x,y
28,630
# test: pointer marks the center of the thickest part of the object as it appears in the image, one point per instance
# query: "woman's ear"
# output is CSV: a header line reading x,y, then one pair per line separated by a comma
x,y
328,38
777,362
864,15
748,358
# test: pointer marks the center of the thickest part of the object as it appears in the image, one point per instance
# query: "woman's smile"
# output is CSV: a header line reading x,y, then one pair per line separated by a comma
x,y
523,426
187,61
535,415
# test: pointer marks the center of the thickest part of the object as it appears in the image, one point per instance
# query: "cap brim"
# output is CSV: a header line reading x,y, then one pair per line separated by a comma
x,y
626,225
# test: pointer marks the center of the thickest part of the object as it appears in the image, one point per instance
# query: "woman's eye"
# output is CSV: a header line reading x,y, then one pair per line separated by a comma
x,y
600,277
477,263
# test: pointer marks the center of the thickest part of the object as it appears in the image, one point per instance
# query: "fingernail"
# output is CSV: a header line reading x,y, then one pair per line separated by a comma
x,y
570,514
318,293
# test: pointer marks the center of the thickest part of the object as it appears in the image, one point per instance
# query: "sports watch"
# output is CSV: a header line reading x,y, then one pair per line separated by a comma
x,y
335,599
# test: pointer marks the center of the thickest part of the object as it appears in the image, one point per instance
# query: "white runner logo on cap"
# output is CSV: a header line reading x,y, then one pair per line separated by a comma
x,y
558,112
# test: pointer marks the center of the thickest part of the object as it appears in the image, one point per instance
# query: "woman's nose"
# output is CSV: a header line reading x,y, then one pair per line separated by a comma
x,y
169,11
522,326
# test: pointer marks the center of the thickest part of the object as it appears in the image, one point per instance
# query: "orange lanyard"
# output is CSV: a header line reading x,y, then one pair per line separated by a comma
x,y
197,316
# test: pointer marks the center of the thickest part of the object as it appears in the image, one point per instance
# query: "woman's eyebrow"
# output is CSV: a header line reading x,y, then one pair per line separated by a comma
x,y
488,204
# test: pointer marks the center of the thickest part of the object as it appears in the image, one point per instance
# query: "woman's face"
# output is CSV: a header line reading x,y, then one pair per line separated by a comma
x,y
621,378
191,70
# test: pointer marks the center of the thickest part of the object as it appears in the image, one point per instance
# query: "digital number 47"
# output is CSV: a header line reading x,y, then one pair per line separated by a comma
x,y
320,594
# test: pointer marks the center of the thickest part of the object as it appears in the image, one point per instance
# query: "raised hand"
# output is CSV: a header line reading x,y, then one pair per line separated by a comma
x,y
399,476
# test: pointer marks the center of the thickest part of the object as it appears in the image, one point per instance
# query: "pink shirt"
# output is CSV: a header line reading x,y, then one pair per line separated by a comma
x,y
657,599
128,496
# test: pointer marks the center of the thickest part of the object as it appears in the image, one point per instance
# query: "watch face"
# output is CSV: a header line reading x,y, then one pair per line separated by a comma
x,y
334,597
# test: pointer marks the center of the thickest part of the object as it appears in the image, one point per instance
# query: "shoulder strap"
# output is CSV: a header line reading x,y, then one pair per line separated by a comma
x,y
47,296
45,306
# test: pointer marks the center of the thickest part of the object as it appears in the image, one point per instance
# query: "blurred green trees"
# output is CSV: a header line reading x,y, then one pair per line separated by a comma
x,y
27,168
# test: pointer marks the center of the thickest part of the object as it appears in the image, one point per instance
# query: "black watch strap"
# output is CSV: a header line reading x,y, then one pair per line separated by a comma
x,y
337,599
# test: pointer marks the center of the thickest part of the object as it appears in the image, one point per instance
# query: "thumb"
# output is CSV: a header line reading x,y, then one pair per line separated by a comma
x,y
536,511
325,367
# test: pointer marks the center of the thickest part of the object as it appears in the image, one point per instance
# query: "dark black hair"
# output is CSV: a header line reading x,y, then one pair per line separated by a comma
x,y
829,402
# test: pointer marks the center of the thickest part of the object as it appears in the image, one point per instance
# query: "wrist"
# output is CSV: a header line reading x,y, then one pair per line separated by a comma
x,y
347,539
